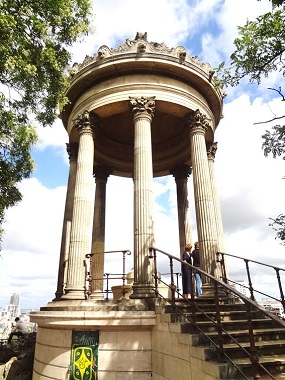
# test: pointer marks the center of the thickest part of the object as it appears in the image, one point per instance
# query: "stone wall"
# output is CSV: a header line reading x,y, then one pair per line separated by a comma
x,y
175,356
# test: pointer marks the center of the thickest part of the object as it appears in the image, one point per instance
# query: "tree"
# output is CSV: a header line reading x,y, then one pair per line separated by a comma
x,y
260,50
35,36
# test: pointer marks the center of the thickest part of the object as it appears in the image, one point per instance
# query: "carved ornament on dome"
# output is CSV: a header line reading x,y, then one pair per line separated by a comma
x,y
140,45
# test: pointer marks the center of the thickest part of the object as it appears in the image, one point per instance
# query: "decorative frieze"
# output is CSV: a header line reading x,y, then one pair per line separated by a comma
x,y
140,45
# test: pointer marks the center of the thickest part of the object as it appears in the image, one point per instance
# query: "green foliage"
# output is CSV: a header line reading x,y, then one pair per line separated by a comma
x,y
259,51
274,141
34,39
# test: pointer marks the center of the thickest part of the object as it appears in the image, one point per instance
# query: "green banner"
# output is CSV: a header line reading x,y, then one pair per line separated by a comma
x,y
84,355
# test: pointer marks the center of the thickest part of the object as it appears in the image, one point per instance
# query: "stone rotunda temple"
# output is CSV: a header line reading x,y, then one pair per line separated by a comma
x,y
140,110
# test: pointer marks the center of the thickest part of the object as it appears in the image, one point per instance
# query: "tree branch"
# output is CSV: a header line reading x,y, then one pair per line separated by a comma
x,y
268,121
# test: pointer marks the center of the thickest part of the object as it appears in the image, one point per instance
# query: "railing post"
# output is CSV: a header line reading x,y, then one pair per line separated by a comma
x,y
221,260
124,271
219,324
172,282
280,288
177,283
253,351
152,255
107,286
89,275
249,280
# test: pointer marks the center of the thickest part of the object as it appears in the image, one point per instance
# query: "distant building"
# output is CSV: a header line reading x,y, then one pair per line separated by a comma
x,y
241,287
273,306
13,309
14,300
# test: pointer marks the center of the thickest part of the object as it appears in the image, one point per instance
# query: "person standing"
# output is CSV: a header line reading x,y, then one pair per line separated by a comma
x,y
19,329
196,263
186,273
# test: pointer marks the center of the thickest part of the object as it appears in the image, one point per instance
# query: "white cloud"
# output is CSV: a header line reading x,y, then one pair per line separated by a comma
x,y
31,247
55,136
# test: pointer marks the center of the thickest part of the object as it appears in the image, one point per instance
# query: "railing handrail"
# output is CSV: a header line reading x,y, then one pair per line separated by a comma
x,y
246,300
252,261
249,303
221,260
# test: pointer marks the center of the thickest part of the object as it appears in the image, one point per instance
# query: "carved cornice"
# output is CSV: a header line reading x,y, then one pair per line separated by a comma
x,y
72,150
85,122
140,45
211,150
101,173
181,172
197,122
140,105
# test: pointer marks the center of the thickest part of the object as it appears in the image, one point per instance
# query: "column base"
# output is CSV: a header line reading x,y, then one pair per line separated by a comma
x,y
74,294
143,291
97,295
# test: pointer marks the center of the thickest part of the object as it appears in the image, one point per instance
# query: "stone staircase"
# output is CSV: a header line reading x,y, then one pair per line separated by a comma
x,y
269,337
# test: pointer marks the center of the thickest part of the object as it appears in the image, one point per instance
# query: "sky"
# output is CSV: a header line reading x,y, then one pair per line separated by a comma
x,y
250,186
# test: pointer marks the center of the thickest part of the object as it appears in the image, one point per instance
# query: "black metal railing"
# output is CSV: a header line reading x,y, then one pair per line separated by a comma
x,y
108,279
252,290
220,290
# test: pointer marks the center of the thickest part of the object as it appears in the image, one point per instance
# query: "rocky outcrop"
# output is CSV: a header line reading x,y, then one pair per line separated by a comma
x,y
17,358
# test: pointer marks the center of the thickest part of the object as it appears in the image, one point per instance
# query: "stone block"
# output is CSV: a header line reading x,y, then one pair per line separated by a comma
x,y
124,361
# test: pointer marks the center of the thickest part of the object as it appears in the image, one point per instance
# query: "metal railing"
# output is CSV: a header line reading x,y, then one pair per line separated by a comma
x,y
220,290
221,259
107,277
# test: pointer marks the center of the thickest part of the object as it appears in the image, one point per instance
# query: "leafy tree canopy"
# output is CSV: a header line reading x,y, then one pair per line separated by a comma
x,y
259,50
35,36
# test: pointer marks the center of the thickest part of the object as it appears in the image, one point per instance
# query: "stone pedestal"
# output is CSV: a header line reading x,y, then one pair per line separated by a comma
x,y
124,350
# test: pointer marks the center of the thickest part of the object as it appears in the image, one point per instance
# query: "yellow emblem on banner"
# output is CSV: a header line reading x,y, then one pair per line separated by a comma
x,y
82,360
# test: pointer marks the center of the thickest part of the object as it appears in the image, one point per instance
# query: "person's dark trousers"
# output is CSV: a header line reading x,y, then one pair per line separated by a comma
x,y
16,333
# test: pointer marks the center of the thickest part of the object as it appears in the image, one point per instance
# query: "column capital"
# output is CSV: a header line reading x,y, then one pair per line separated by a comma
x,y
101,173
211,150
197,122
142,105
85,122
181,172
72,150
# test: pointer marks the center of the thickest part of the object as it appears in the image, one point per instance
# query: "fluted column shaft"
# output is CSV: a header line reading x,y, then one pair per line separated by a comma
x,y
72,150
98,235
205,217
142,110
181,174
80,228
211,152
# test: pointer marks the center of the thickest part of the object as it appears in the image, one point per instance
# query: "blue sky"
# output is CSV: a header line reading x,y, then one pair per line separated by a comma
x,y
250,186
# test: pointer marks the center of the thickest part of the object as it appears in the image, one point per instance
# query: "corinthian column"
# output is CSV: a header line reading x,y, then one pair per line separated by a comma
x,y
72,150
143,110
211,152
98,235
181,174
80,227
205,215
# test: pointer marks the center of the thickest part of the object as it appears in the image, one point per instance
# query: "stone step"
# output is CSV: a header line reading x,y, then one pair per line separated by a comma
x,y
208,326
274,364
185,306
200,316
233,351
263,335
269,337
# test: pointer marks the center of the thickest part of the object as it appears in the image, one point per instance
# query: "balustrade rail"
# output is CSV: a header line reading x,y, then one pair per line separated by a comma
x,y
252,290
220,289
109,279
